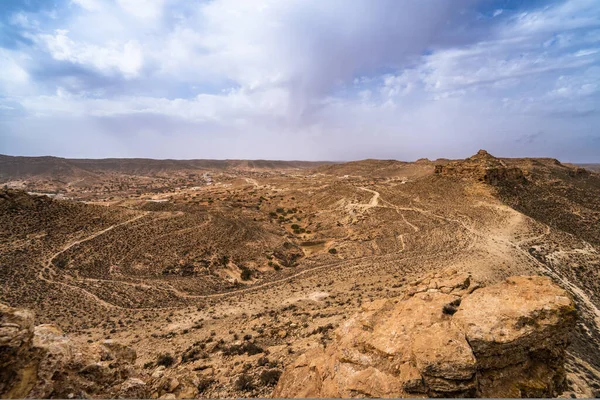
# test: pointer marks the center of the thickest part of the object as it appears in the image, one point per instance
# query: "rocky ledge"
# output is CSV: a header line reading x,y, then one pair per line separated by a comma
x,y
483,167
445,337
42,362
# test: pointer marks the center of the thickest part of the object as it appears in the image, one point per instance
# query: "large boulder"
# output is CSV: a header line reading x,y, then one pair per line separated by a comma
x,y
445,337
518,330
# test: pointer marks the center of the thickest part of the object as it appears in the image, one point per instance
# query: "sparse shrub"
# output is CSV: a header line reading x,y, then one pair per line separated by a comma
x,y
244,383
193,354
295,226
149,364
252,349
332,251
61,261
323,329
451,308
246,274
261,362
204,384
165,360
270,377
237,350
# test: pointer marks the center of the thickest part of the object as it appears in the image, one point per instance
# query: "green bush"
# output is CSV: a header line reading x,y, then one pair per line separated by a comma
x,y
61,261
244,383
270,377
246,274
165,360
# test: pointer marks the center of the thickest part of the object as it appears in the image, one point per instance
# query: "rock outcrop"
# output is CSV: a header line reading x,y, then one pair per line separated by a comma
x,y
42,362
483,167
446,337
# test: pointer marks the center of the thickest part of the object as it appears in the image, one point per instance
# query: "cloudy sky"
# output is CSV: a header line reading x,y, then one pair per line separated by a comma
x,y
300,79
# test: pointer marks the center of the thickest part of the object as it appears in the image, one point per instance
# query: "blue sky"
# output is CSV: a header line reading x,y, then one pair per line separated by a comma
x,y
300,79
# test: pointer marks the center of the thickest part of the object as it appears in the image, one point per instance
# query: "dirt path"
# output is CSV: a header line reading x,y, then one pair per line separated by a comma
x,y
535,238
374,202
48,264
252,182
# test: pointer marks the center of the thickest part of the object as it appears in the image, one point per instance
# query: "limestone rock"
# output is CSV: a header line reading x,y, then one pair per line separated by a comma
x,y
120,352
16,336
518,331
133,388
483,167
41,362
503,340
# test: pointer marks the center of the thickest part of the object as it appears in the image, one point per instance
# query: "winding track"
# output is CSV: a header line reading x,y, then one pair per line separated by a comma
x,y
48,264
374,202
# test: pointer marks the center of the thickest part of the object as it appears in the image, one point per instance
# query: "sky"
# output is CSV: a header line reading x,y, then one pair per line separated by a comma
x,y
300,79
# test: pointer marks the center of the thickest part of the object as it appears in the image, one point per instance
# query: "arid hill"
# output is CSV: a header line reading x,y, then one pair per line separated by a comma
x,y
379,169
221,278
13,167
590,167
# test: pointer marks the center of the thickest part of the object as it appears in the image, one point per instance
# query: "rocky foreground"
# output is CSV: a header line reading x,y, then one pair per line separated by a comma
x,y
444,337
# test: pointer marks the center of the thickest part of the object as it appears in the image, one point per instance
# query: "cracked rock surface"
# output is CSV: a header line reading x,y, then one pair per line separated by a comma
x,y
446,337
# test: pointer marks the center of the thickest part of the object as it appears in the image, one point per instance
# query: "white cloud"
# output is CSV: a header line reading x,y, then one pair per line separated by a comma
x,y
145,9
126,58
414,76
89,5
14,79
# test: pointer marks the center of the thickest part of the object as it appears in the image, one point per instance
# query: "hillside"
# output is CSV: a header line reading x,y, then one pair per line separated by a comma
x,y
17,167
236,273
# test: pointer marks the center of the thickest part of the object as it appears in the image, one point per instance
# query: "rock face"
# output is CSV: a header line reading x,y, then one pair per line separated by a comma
x,y
42,362
483,167
446,337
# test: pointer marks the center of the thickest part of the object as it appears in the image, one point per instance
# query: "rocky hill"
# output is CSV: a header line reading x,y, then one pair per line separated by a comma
x,y
483,167
445,338
379,169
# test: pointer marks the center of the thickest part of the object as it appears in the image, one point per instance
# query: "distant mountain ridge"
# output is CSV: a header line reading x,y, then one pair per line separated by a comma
x,y
18,167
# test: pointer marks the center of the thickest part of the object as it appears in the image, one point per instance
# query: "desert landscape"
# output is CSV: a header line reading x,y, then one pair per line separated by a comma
x,y
299,199
207,278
